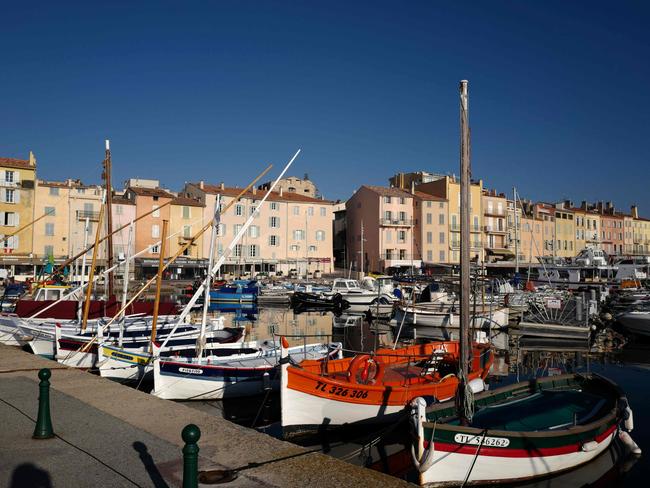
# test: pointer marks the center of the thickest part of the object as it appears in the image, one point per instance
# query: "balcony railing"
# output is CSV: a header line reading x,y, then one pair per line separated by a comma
x,y
396,256
495,212
472,244
494,228
10,184
87,214
472,228
396,222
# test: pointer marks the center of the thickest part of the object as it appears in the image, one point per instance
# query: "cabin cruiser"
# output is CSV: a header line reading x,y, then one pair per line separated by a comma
x,y
354,294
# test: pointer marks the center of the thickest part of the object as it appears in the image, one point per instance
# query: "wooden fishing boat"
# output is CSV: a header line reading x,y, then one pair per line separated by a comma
x,y
520,432
236,292
371,388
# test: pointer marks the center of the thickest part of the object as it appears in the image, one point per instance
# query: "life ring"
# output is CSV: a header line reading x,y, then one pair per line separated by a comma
x,y
361,367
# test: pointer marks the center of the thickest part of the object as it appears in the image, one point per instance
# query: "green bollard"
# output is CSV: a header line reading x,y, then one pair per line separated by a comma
x,y
191,435
43,428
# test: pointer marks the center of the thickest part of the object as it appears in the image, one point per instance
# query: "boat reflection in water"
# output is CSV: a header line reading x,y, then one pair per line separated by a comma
x,y
516,359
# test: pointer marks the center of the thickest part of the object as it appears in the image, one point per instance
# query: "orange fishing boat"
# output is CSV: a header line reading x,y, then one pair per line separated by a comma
x,y
372,387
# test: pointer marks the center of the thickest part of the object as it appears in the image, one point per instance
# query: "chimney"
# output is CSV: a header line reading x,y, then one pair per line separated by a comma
x,y
254,190
281,191
634,210
32,159
222,186
201,184
413,187
583,205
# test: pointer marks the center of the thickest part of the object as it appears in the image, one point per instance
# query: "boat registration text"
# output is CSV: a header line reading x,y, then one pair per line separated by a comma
x,y
475,440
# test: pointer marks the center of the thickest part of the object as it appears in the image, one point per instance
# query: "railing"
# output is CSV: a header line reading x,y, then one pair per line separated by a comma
x,y
495,212
10,184
87,214
396,256
472,228
494,228
398,222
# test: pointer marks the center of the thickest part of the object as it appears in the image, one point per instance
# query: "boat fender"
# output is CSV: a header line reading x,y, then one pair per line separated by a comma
x,y
364,361
626,414
629,443
477,385
589,446
629,421
423,460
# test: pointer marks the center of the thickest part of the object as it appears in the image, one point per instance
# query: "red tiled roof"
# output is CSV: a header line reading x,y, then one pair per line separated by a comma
x,y
388,191
425,196
150,192
15,163
121,200
259,194
187,202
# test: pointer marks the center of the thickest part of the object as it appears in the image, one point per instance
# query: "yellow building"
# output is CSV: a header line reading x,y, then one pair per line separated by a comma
x,y
587,227
17,210
186,218
565,231
448,188
51,233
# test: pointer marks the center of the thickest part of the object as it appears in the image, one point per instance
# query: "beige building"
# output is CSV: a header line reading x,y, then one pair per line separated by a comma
x,y
495,226
17,210
291,231
293,184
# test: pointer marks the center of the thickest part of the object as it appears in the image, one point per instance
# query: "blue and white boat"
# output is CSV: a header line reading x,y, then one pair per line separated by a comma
x,y
236,292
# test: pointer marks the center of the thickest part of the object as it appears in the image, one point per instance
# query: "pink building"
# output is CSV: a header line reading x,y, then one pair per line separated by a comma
x,y
385,218
291,231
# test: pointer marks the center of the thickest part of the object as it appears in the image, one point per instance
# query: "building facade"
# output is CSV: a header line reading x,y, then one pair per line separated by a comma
x,y
17,178
291,233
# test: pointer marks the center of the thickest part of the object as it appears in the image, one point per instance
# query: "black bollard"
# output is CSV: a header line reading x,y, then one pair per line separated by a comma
x,y
43,429
191,435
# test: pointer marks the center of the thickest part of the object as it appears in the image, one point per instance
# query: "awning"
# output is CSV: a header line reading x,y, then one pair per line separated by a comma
x,y
500,252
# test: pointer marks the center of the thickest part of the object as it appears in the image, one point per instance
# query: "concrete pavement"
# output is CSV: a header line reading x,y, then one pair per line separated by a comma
x,y
117,436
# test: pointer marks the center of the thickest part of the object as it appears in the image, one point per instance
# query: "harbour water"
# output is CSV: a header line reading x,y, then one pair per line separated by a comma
x,y
624,360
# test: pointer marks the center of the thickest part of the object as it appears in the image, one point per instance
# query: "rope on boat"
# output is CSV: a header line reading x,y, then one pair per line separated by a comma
x,y
471,467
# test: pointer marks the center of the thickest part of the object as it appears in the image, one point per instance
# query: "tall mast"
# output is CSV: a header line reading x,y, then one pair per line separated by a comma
x,y
514,194
464,247
159,276
109,216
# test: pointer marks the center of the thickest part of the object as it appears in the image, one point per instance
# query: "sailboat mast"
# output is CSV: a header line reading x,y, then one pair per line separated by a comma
x,y
109,216
159,276
464,243
514,194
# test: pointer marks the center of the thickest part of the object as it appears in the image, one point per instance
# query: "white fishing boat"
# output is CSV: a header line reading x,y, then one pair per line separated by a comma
x,y
425,315
246,373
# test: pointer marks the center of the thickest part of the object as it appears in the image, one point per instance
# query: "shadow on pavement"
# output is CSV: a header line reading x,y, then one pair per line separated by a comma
x,y
149,465
29,475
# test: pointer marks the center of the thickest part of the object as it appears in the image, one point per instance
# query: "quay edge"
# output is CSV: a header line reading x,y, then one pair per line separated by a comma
x,y
223,445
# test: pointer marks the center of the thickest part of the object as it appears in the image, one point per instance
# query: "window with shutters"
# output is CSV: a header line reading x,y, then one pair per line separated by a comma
x,y
274,241
155,249
239,210
253,251
323,211
274,205
237,250
186,212
9,176
429,218
48,251
312,248
187,231
310,211
156,211
155,231
10,195
320,235
296,210
54,191
49,229
298,235
274,222
254,231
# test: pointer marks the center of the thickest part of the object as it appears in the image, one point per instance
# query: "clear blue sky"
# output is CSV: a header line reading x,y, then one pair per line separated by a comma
x,y
559,100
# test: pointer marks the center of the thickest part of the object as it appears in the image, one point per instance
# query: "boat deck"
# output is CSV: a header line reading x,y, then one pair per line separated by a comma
x,y
546,410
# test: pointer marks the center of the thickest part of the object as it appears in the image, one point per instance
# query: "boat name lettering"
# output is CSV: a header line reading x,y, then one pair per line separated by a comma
x,y
340,391
475,440
190,370
119,355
